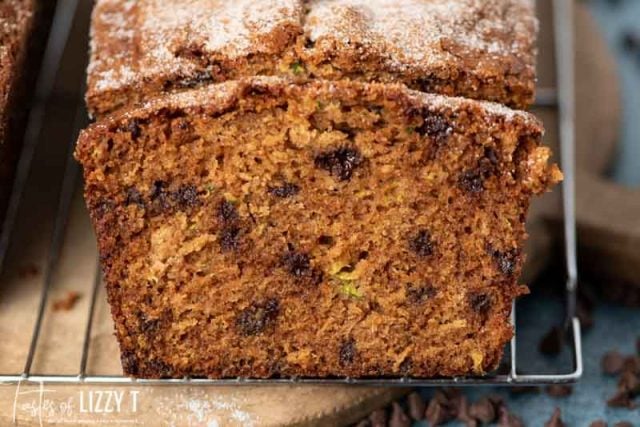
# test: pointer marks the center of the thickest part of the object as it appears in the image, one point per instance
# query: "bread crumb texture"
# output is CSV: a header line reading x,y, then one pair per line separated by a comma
x,y
266,228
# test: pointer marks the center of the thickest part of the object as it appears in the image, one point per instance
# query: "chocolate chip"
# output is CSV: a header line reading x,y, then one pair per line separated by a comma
x,y
160,195
158,368
612,363
629,382
507,419
256,318
598,423
435,126
555,420
551,344
129,362
341,162
133,127
197,80
185,196
632,364
378,418
285,190
325,240
621,399
134,197
436,413
229,238
296,263
480,302
506,261
398,417
559,390
416,405
347,352
420,293
483,410
472,181
631,41
308,43
227,212
585,315
421,243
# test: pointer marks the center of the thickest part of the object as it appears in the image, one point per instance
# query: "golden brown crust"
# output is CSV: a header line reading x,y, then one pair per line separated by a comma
x,y
472,48
264,228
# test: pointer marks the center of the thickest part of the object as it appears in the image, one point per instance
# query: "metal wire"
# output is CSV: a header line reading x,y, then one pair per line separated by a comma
x,y
562,99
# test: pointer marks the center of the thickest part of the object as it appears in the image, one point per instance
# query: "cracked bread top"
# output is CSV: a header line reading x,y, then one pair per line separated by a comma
x,y
475,48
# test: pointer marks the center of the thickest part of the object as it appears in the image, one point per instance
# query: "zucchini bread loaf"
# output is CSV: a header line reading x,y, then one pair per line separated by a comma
x,y
271,228
23,28
483,49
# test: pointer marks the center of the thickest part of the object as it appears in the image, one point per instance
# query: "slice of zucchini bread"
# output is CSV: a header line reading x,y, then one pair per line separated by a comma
x,y
482,49
263,228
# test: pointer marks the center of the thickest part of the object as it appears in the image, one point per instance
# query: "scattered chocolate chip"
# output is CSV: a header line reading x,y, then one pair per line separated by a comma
x,y
134,197
398,417
129,362
555,420
378,418
436,413
421,243
257,317
227,212
285,190
598,423
417,294
631,41
612,363
585,315
341,162
464,414
621,399
483,410
308,43
416,405
559,390
630,382
632,364
551,344
507,419
347,352
480,302
229,238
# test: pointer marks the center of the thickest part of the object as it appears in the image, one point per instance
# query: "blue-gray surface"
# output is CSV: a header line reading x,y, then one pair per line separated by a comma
x,y
615,327
614,18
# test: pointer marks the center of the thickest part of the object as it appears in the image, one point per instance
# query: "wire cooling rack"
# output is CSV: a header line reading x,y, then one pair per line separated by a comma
x,y
559,98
